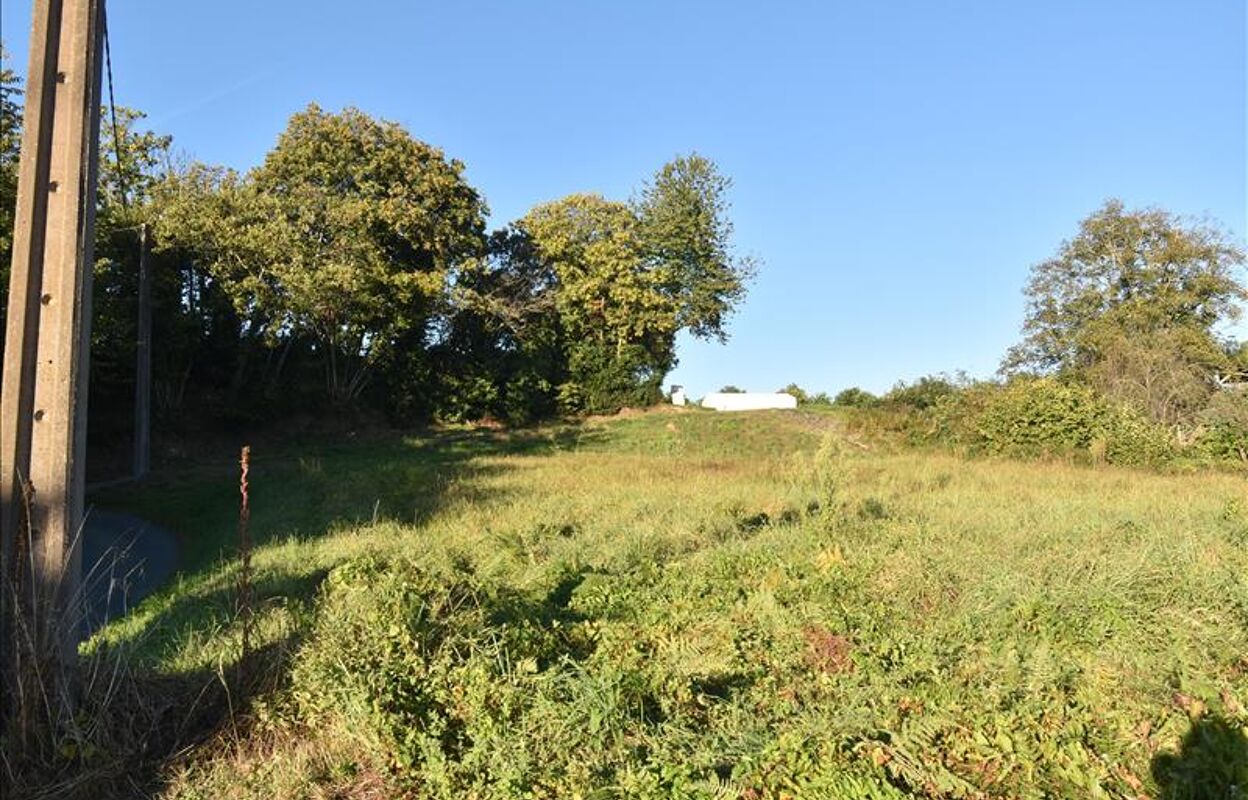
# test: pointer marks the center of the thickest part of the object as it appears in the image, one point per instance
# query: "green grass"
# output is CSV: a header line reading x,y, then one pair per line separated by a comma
x,y
702,605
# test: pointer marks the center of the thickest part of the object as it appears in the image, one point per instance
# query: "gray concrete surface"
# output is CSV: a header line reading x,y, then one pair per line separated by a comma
x,y
124,559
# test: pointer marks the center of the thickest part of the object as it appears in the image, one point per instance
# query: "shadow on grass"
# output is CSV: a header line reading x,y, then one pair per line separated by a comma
x,y
131,725
405,480
304,496
1212,763
307,497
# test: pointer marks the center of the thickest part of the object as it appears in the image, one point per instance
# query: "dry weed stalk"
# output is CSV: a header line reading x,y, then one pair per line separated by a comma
x,y
244,550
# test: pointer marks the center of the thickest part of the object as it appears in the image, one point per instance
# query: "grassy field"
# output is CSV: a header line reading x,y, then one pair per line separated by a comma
x,y
699,605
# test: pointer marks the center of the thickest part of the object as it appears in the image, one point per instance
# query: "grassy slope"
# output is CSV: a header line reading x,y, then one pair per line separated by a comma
x,y
699,605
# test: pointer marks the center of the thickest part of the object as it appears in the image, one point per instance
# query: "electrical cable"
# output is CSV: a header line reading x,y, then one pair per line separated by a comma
x,y
112,106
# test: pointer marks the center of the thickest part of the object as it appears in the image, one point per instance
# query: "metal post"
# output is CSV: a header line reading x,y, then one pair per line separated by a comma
x,y
143,367
44,399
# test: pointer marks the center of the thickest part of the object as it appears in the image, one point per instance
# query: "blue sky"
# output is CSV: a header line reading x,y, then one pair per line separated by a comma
x,y
898,166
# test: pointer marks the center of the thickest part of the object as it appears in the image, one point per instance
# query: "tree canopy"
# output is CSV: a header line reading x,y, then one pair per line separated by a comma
x,y
353,265
686,232
1132,305
346,233
360,245
1136,272
10,146
627,277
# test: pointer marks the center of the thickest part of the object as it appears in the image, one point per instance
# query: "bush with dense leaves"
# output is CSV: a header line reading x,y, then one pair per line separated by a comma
x,y
1039,417
923,394
422,666
1224,426
854,397
605,378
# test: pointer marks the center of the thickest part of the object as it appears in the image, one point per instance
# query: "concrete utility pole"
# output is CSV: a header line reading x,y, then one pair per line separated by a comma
x,y
44,399
143,365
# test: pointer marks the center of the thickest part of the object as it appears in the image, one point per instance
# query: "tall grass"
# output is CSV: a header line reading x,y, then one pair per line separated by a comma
x,y
699,605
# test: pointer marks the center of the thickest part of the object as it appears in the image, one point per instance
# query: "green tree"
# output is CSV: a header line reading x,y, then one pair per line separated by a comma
x,y
346,234
798,392
855,397
133,160
225,223
501,351
607,290
924,393
10,150
1128,273
1165,374
628,276
619,322
123,202
686,232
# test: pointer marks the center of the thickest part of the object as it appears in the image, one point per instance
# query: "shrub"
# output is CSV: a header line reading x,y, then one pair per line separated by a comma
x,y
1040,417
1224,426
467,397
606,378
954,420
1132,438
798,392
1031,417
853,397
923,394
528,398
417,666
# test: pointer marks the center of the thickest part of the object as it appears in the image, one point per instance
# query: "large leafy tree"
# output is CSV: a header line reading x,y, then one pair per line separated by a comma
x,y
608,290
133,160
1133,305
620,324
686,232
629,276
345,234
500,352
1139,271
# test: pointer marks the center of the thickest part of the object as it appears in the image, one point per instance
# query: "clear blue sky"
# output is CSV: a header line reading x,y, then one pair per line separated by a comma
x,y
898,165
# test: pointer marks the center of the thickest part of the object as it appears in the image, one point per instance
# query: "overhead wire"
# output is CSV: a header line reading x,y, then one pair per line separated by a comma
x,y
123,189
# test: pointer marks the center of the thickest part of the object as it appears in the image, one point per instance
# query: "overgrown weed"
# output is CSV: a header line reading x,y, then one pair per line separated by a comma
x,y
748,606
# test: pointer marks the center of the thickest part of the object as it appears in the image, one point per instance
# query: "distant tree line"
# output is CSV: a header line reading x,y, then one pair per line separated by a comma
x,y
353,270
1127,354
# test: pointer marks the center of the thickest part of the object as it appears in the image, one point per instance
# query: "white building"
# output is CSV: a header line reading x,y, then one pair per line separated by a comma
x,y
678,396
748,401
